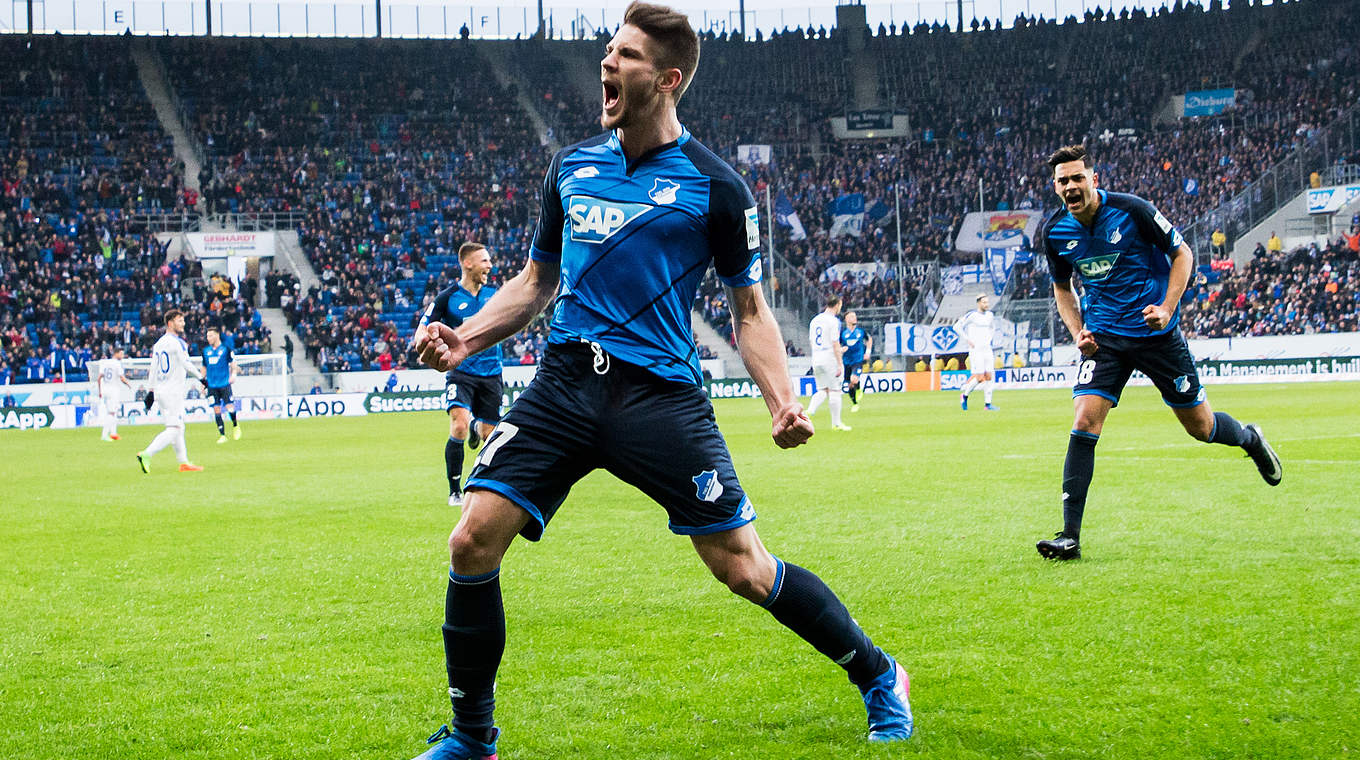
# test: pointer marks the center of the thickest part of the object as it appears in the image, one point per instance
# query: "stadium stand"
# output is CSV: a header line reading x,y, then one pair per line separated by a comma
x,y
84,156
392,156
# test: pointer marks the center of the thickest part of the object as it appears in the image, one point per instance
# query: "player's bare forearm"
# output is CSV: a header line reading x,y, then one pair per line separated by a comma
x,y
1068,308
762,351
1070,311
761,345
1181,262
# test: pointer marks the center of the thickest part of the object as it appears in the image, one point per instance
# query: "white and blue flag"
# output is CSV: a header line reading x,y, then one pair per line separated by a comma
x,y
785,215
847,215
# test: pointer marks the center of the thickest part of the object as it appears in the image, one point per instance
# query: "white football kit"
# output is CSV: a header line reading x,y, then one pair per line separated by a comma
x,y
977,329
110,373
169,360
823,333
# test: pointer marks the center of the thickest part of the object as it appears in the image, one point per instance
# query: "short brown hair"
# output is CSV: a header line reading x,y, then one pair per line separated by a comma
x,y
677,43
467,249
1069,153
170,315
833,300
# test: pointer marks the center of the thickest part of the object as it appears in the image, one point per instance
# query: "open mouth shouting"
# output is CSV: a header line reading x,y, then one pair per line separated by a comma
x,y
611,97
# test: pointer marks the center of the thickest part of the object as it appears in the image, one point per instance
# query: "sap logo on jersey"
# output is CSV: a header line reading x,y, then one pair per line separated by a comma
x,y
594,220
1097,268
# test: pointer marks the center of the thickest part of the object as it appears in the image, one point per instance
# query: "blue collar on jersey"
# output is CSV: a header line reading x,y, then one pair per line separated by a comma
x,y
631,166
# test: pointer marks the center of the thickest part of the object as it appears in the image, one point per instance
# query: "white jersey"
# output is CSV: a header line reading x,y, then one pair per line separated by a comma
x,y
110,374
169,363
823,334
976,329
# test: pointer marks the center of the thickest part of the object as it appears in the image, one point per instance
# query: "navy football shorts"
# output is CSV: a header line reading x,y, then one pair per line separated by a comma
x,y
220,396
657,435
854,370
1165,359
479,394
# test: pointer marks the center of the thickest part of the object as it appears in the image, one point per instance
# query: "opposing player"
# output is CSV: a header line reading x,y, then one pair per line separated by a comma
x,y
824,335
219,366
169,364
1134,266
976,329
109,373
858,347
472,390
630,222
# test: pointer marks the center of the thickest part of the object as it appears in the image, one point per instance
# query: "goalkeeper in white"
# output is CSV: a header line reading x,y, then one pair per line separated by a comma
x,y
169,364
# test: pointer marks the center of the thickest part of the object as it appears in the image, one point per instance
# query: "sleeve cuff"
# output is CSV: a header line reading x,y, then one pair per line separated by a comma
x,y
538,254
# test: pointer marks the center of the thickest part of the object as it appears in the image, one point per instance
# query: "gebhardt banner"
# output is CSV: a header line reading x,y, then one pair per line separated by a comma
x,y
221,245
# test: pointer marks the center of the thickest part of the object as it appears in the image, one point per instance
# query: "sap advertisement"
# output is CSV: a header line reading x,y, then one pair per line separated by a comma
x,y
1329,200
1209,102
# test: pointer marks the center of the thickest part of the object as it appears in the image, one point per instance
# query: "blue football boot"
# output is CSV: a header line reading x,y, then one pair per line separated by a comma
x,y
452,745
889,708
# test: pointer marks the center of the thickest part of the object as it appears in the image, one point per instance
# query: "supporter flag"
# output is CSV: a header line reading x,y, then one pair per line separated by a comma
x,y
754,154
847,215
1191,186
999,262
880,213
785,215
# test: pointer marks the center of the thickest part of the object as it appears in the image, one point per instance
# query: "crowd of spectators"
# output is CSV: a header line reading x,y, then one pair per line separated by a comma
x,y
83,155
390,157
1313,289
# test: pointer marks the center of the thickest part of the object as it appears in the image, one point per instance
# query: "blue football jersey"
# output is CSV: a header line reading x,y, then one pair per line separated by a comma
x,y
853,340
1123,258
217,366
452,306
634,239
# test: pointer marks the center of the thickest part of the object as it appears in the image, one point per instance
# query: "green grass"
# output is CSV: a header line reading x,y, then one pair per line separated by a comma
x,y
286,602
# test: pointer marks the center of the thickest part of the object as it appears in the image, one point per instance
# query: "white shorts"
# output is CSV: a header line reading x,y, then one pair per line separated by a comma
x,y
981,361
171,407
827,376
110,404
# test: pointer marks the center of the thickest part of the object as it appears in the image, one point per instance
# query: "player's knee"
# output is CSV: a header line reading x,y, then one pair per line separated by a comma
x,y
1200,430
469,554
743,578
458,428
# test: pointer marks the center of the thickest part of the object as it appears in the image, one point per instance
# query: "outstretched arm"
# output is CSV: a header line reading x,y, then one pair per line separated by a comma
x,y
762,351
523,297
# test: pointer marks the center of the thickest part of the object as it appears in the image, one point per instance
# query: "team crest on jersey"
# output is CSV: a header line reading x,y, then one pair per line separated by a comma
x,y
752,229
595,220
1071,244
586,172
707,486
663,191
1098,267
1115,236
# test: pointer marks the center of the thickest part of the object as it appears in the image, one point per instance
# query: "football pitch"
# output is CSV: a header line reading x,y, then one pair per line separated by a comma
x,y
286,602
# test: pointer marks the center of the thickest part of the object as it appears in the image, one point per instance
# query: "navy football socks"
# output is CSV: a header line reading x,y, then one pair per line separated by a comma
x,y
803,603
474,641
1077,470
453,464
1229,431
220,429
